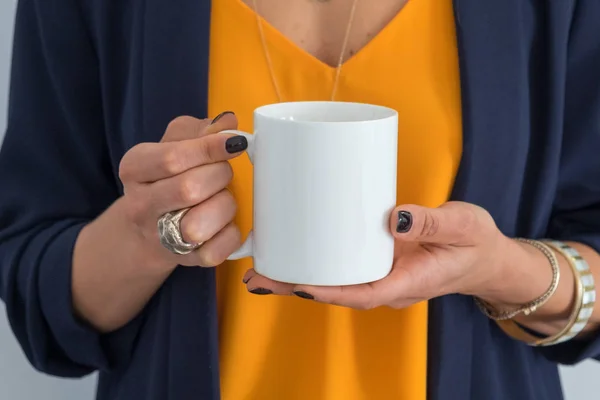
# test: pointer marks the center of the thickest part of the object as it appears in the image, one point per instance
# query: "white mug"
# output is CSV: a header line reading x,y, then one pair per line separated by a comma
x,y
324,186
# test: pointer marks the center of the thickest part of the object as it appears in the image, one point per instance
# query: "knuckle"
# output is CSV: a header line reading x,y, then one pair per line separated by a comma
x,y
170,162
364,306
126,164
204,151
125,173
209,258
398,305
431,225
211,149
467,223
191,229
229,202
225,171
181,122
188,191
203,258
229,239
369,304
236,236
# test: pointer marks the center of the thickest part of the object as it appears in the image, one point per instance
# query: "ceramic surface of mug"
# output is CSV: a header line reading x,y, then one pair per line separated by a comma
x,y
324,185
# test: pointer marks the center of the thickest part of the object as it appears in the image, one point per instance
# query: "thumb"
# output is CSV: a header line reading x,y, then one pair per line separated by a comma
x,y
454,223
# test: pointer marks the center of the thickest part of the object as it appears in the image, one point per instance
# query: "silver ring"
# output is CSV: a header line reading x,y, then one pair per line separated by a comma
x,y
169,233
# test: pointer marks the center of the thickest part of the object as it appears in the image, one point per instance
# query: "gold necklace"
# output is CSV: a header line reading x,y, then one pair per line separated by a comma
x,y
338,68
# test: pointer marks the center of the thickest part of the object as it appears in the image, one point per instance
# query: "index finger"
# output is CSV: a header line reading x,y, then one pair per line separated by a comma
x,y
150,162
182,148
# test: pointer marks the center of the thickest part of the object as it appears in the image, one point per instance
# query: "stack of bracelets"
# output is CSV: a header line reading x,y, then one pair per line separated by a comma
x,y
585,297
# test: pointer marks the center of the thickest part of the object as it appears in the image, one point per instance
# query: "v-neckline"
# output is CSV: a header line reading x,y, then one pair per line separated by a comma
x,y
312,58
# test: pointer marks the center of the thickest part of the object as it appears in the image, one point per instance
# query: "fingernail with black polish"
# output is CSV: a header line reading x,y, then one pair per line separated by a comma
x,y
405,221
304,295
218,117
235,144
245,280
259,290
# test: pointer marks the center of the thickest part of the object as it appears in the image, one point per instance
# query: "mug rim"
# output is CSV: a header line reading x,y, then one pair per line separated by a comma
x,y
266,111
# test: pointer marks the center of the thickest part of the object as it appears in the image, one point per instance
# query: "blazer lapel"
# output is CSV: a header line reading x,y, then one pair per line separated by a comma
x,y
175,83
494,84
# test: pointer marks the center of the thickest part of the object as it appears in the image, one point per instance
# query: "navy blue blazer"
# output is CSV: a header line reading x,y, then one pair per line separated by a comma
x,y
92,78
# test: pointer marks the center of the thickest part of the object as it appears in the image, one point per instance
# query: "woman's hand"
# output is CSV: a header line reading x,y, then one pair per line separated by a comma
x,y
118,261
455,248
188,168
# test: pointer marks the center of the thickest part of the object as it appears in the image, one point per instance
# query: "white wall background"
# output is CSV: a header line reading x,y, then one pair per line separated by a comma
x,y
18,381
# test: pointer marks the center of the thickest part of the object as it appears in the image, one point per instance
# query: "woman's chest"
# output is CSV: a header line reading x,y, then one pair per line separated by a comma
x,y
320,27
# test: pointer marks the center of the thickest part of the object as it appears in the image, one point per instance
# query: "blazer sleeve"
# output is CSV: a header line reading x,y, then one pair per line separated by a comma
x,y
577,208
55,177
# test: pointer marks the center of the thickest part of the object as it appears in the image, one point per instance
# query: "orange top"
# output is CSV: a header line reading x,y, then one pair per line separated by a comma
x,y
286,348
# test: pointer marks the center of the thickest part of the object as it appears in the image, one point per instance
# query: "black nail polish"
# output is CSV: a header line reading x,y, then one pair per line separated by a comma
x,y
405,221
218,117
304,295
235,144
245,280
259,290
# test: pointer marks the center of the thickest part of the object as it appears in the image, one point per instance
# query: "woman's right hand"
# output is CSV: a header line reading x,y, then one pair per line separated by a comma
x,y
188,168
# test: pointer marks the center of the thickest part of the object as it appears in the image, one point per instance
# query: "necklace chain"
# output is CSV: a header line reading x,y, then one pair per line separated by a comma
x,y
267,54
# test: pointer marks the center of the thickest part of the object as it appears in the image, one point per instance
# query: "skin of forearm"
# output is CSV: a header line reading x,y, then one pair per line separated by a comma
x,y
114,271
528,274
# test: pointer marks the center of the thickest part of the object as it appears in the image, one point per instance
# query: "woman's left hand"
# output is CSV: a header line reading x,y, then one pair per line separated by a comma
x,y
455,248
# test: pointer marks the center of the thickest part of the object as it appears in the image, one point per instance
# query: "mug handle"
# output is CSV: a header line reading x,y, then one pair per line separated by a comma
x,y
247,248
